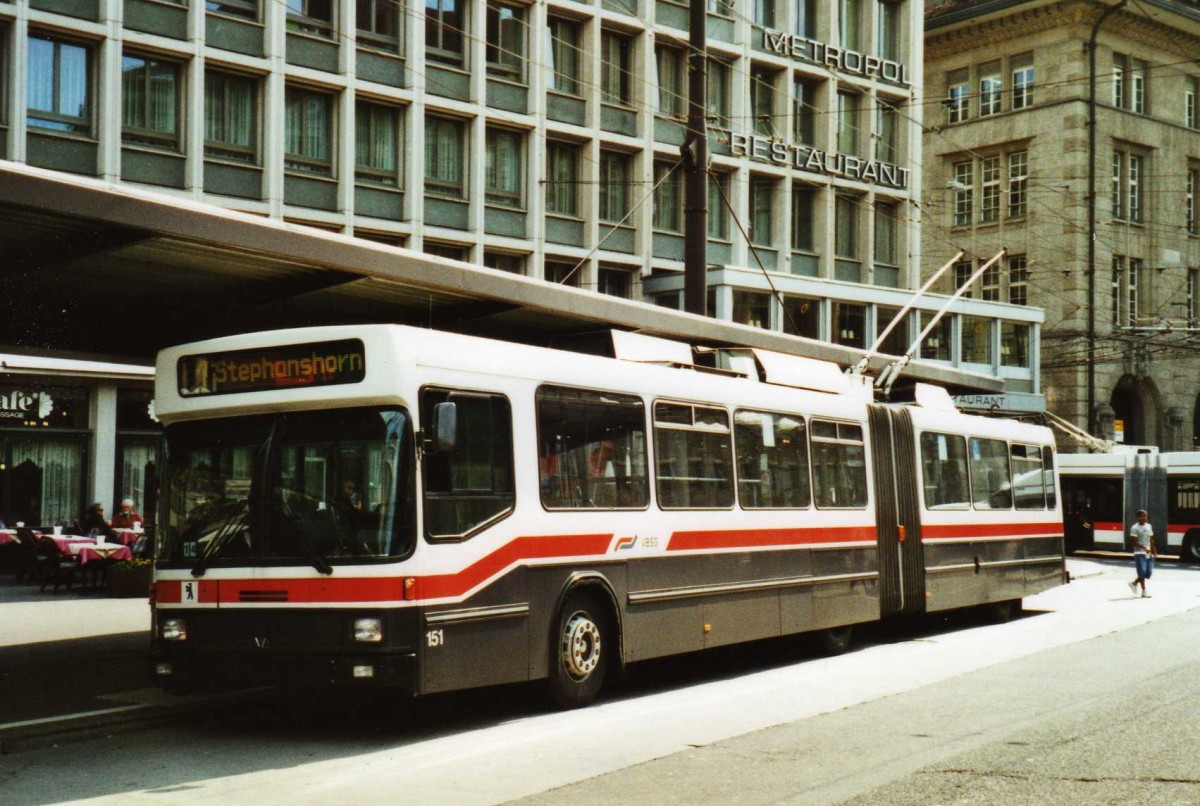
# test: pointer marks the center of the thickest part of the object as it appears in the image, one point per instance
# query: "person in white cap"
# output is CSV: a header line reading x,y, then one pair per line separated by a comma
x,y
126,518
1141,534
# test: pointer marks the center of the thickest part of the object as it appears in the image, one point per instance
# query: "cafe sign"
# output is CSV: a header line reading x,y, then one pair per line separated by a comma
x,y
846,61
805,158
25,407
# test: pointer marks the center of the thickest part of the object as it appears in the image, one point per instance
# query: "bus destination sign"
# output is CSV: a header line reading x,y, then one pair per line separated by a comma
x,y
289,366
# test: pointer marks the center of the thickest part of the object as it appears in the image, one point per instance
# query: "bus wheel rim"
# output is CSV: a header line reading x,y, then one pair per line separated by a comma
x,y
581,646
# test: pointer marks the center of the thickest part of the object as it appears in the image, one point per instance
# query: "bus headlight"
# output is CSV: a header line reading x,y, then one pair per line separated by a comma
x,y
368,630
172,629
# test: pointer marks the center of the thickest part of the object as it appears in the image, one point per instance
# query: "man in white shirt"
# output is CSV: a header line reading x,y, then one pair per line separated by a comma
x,y
1141,534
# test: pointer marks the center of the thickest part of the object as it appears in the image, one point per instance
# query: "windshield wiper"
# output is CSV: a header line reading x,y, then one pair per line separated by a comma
x,y
314,557
229,526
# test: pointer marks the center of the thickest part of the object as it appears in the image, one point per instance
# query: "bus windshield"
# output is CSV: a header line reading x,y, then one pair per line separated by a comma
x,y
314,487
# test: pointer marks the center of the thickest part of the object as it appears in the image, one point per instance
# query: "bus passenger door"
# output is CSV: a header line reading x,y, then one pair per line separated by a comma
x,y
898,522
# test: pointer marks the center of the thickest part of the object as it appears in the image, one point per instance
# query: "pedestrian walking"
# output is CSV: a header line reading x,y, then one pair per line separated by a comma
x,y
1141,534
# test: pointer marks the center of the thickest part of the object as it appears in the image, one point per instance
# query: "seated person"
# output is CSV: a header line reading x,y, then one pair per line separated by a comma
x,y
94,523
126,518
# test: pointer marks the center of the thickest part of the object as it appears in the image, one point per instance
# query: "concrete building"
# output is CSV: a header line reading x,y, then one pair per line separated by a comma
x,y
539,139
1115,263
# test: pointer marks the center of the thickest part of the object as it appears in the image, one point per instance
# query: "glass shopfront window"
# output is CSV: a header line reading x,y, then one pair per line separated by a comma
x,y
43,457
138,436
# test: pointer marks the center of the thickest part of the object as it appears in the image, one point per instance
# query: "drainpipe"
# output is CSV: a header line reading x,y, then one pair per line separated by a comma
x,y
1091,259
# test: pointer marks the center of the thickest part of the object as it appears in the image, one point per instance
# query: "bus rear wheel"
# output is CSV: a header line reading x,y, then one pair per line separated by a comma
x,y
1002,612
580,650
1191,548
834,640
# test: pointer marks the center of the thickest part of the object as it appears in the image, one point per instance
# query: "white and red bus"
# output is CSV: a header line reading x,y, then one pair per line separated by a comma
x,y
1103,492
430,511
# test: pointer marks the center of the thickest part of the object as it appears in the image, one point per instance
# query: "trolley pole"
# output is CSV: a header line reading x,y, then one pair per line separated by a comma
x,y
695,163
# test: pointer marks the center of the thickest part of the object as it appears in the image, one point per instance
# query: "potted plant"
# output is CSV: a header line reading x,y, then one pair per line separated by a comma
x,y
129,578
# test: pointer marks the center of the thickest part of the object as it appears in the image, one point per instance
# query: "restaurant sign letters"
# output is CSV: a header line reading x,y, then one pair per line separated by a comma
x,y
27,406
846,61
269,368
805,158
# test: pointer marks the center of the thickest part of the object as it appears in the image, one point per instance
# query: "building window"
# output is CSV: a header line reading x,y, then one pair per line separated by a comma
x,y
615,282
562,183
717,103
671,96
616,172
59,88
1137,87
562,272
849,324
722,8
504,167
936,346
445,32
764,13
230,117
958,97
564,72
1014,344
504,261
976,340
1022,80
886,148
989,193
506,41
804,18
1118,175
445,170
616,69
962,273
990,87
1018,280
376,143
762,210
803,226
1135,187
378,24
1193,187
1189,103
1114,286
802,317
886,248
887,44
989,283
850,19
847,122
750,308
1132,284
1018,176
150,102
447,250
964,193
313,17
668,198
804,111
718,210
846,227
762,101
242,9
1120,68
308,127
1193,299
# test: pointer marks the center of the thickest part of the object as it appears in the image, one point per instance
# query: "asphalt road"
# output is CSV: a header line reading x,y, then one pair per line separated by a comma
x,y
1088,697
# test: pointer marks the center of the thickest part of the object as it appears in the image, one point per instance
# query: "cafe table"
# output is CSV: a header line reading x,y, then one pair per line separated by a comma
x,y
127,537
87,552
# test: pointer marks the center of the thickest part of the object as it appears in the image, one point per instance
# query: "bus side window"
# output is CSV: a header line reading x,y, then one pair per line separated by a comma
x,y
991,483
591,449
693,456
1048,475
772,460
944,471
839,465
471,484
1028,479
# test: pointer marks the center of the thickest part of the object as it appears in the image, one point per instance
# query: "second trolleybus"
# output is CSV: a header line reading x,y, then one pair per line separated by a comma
x,y
430,511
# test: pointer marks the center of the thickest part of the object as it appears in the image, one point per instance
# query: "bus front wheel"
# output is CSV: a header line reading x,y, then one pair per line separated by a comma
x,y
582,645
1191,548
834,640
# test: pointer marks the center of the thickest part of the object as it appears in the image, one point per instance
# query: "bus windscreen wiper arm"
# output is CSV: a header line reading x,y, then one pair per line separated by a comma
x,y
313,556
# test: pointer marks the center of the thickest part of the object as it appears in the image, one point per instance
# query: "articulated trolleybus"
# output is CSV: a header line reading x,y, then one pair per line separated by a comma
x,y
430,511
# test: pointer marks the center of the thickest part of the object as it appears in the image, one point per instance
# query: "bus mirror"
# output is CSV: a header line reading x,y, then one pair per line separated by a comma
x,y
445,426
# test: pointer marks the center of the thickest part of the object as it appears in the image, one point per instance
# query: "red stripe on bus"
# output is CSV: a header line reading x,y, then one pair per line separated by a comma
x,y
952,530
388,589
1107,526
756,538
1182,527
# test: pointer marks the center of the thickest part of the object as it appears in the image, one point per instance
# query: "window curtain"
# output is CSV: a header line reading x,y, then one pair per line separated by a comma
x,y
61,468
133,92
504,163
562,195
847,227
307,125
443,151
135,458
375,143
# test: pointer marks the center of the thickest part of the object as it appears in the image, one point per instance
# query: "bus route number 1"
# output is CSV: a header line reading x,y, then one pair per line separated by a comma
x,y
435,638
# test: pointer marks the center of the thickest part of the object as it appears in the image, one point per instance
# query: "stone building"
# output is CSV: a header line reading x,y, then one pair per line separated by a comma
x,y
1116,265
